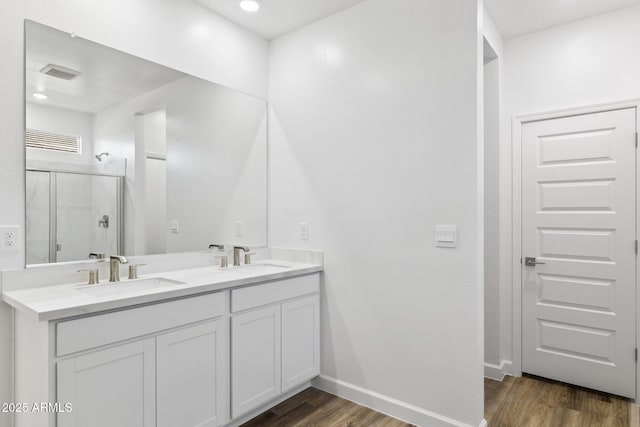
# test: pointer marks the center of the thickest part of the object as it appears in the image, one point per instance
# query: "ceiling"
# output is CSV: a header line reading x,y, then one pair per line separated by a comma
x,y
512,17
109,77
277,17
517,17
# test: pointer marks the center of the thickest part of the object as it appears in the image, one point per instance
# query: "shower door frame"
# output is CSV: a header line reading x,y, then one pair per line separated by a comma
x,y
53,206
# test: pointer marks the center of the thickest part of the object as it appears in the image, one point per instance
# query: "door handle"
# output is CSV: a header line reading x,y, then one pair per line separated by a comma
x,y
531,262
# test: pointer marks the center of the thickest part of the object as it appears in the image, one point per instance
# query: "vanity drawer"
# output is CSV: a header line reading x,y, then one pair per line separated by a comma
x,y
95,331
269,293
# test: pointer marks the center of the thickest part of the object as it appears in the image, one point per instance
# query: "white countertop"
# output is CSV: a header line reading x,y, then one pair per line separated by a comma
x,y
74,299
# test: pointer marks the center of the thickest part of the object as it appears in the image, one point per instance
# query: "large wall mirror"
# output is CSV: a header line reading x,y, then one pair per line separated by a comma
x,y
130,157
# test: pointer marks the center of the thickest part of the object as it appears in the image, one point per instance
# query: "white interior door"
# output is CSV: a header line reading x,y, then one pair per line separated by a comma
x,y
578,207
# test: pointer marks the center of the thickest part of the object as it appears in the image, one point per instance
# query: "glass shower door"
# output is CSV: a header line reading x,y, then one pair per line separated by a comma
x,y
38,188
87,218
70,215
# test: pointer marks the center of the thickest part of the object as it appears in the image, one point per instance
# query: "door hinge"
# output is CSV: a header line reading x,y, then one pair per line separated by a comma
x,y
636,139
636,354
636,247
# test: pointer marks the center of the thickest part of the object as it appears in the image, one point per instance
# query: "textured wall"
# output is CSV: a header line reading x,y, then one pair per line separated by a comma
x,y
178,34
373,142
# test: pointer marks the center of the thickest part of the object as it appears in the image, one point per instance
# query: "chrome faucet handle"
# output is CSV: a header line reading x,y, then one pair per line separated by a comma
x,y
247,257
215,245
133,270
96,255
224,261
94,275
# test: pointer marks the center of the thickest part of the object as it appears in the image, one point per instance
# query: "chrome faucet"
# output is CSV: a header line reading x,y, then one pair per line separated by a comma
x,y
236,254
214,245
114,267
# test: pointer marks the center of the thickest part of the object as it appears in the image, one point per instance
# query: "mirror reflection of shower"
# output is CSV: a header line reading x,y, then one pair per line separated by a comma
x,y
72,214
101,155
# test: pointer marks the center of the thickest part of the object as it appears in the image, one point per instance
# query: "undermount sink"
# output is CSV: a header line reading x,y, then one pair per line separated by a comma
x,y
265,268
114,288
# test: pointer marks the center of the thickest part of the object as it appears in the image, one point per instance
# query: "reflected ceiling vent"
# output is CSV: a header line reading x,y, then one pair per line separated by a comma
x,y
60,72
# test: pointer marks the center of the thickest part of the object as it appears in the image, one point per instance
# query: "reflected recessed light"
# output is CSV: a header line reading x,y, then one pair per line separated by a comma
x,y
250,5
39,95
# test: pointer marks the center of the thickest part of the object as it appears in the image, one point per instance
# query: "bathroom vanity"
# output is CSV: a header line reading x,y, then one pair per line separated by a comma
x,y
193,347
187,343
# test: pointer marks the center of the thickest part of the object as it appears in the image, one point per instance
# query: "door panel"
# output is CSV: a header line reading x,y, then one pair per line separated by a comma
x,y
300,341
191,381
255,359
111,387
578,204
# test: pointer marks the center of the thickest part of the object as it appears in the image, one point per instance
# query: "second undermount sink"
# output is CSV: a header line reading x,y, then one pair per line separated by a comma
x,y
114,288
262,268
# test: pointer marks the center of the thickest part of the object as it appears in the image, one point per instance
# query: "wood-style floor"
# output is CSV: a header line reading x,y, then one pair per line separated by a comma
x,y
515,402
316,408
531,402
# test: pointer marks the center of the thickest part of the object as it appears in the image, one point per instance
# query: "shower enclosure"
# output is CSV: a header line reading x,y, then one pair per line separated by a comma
x,y
70,215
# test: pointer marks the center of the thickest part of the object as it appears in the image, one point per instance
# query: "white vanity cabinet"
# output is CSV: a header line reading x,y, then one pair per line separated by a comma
x,y
192,376
300,341
205,360
110,387
161,365
275,336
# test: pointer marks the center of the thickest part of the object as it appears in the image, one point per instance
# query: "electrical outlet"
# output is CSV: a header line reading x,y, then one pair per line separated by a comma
x,y
9,238
239,228
303,231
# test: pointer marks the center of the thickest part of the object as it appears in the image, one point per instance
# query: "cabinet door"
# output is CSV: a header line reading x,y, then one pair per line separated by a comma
x,y
192,380
111,387
300,341
255,358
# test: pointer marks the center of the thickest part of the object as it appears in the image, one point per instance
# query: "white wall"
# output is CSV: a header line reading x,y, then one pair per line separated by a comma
x,y
155,181
374,142
59,120
178,34
115,130
216,163
216,166
491,214
592,61
497,303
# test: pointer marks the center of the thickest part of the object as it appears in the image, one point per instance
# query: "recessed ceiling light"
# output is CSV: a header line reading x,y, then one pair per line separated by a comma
x,y
250,5
40,95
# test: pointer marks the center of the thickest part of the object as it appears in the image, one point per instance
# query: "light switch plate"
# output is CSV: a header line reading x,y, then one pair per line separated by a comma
x,y
174,226
446,236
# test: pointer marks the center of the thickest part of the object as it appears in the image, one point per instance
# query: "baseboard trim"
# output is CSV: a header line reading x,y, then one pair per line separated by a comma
x,y
496,372
252,414
386,405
